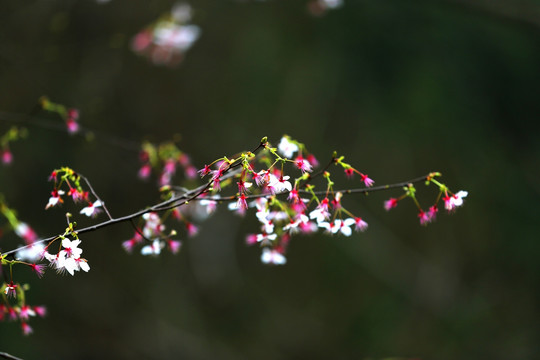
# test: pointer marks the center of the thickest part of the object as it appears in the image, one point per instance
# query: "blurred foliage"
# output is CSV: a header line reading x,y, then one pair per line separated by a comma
x,y
400,88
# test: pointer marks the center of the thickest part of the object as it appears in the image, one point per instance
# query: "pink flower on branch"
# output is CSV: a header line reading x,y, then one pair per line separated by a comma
x,y
367,181
454,201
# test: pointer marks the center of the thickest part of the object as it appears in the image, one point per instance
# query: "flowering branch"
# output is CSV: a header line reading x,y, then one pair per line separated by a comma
x,y
305,209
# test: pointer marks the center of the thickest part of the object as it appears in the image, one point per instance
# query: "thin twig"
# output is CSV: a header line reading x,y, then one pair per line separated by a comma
x,y
5,355
96,195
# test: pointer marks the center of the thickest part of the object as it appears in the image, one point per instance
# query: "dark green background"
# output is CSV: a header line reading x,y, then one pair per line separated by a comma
x,y
399,87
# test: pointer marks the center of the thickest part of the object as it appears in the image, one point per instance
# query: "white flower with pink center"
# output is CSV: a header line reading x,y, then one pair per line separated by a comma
x,y
92,209
287,148
153,249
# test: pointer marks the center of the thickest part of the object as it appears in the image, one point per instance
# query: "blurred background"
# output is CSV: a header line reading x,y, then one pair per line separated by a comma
x,y
399,88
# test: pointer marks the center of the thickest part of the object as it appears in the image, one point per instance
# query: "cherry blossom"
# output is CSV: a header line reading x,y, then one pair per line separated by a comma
x,y
11,289
27,330
92,209
128,245
303,164
361,225
390,203
144,171
278,185
454,201
424,217
152,249
343,226
25,312
38,269
274,257
174,245
55,198
266,239
287,148
367,181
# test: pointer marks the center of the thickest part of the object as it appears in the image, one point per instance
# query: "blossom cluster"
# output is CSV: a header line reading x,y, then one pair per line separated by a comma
x,y
69,115
68,178
166,41
68,259
451,200
165,159
154,235
18,310
262,183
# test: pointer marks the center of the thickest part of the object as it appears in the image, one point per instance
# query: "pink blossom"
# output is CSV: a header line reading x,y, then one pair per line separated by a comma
x,y
170,166
303,164
128,245
25,312
313,160
432,212
165,179
11,290
390,203
7,156
12,314
349,172
241,204
72,125
27,330
40,310
144,171
204,171
38,269
190,172
141,41
293,196
184,160
73,113
192,229
424,217
174,245
361,225
77,195
367,181
251,239
243,186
